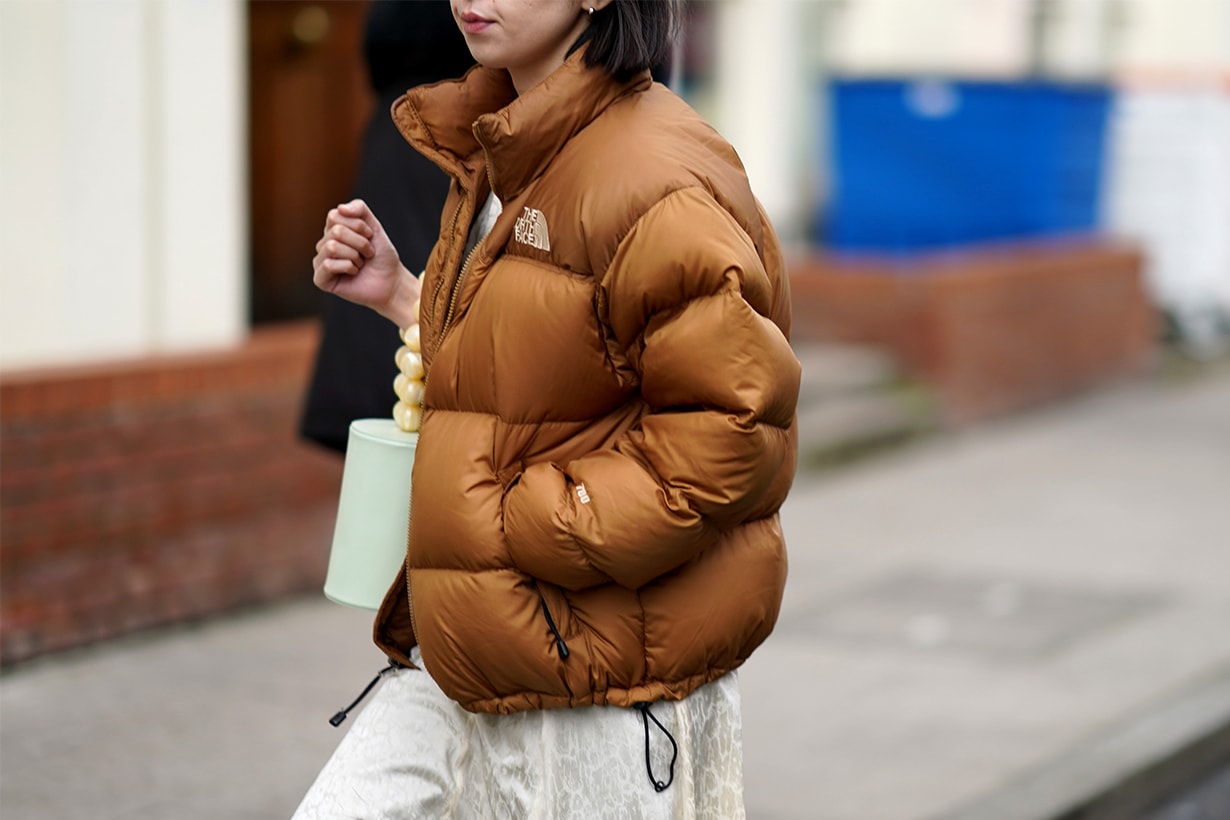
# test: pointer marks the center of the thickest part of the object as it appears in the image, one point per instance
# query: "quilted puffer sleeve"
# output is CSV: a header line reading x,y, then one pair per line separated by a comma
x,y
688,301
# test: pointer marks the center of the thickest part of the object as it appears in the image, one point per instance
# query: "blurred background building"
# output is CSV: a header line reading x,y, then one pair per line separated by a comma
x,y
1014,197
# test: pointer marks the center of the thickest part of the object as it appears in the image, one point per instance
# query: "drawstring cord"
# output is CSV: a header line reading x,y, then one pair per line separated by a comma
x,y
647,716
337,719
643,708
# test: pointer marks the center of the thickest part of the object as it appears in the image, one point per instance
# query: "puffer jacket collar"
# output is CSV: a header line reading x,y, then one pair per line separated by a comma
x,y
449,122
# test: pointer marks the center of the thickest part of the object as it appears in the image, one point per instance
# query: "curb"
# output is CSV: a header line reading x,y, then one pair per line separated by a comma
x,y
854,402
1126,770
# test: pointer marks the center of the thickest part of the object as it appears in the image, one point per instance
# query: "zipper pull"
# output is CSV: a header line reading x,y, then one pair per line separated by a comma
x,y
559,639
337,719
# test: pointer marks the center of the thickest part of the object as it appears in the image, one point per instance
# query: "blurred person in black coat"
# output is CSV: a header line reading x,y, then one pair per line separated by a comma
x,y
405,43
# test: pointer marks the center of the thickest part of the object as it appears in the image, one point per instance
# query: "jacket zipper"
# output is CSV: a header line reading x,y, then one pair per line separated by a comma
x,y
409,594
559,639
448,320
452,302
465,266
452,231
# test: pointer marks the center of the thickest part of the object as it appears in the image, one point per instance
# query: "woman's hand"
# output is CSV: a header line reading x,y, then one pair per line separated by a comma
x,y
356,261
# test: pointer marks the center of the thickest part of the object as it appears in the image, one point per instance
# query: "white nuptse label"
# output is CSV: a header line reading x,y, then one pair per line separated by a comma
x,y
531,229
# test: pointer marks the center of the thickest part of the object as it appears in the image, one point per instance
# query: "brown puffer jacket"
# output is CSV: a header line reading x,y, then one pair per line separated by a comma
x,y
609,413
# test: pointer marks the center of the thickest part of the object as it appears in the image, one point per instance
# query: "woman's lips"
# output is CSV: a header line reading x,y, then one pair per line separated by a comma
x,y
472,24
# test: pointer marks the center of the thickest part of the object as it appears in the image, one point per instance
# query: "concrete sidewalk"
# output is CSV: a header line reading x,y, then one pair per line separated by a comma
x,y
994,624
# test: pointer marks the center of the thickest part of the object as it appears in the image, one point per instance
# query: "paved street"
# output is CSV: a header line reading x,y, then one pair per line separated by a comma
x,y
989,624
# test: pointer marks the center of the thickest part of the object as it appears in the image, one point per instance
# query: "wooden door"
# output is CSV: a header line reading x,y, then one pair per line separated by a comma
x,y
308,104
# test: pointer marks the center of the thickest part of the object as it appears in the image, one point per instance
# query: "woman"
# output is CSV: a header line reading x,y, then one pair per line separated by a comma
x,y
608,434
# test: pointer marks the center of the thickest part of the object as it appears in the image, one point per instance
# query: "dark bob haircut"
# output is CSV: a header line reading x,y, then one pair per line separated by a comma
x,y
629,36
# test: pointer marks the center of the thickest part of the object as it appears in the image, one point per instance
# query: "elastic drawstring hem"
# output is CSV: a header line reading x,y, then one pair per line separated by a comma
x,y
647,716
337,719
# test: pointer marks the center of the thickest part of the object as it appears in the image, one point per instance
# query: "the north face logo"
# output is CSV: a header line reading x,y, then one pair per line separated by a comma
x,y
531,229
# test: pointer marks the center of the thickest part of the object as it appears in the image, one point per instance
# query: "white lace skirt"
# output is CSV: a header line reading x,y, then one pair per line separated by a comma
x,y
413,753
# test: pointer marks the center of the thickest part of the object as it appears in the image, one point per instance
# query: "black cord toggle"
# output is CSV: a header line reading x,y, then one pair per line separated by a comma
x,y
647,716
337,719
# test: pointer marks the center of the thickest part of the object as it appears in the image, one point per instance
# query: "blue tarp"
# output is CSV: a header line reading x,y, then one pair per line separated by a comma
x,y
929,163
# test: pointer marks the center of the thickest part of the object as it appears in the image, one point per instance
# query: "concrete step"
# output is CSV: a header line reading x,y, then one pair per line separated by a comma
x,y
830,369
854,401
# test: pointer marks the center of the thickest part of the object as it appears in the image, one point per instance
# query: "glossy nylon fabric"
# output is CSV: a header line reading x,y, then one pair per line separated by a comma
x,y
609,410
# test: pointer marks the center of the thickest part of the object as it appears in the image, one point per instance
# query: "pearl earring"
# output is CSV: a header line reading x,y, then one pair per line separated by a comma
x,y
591,10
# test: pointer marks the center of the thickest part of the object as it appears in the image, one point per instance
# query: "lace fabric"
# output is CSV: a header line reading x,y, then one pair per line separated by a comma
x,y
413,753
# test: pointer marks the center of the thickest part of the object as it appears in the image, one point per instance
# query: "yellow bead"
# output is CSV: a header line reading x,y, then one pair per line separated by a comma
x,y
410,335
409,418
410,363
415,311
407,389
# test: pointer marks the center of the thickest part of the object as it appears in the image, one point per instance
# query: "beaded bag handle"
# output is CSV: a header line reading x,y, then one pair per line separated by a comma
x,y
408,412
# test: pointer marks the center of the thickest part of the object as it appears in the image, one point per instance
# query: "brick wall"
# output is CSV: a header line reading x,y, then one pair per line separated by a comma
x,y
993,329
149,492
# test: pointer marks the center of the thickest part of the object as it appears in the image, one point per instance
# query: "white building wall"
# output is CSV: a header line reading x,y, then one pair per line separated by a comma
x,y
105,304
964,37
32,72
1172,36
1078,39
203,192
763,101
994,38
1169,185
1171,191
121,163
